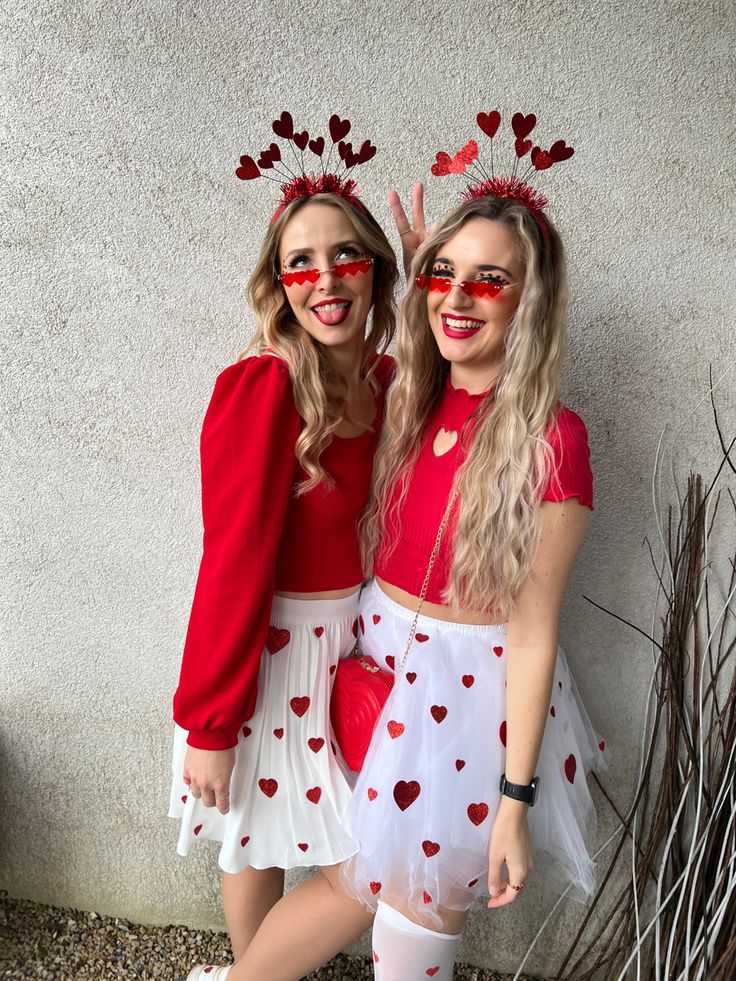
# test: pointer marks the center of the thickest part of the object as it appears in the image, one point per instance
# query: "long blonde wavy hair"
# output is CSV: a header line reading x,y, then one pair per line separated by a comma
x,y
495,529
313,374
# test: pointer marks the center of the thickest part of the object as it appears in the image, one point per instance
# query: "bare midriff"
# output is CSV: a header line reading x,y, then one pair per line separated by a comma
x,y
329,594
435,610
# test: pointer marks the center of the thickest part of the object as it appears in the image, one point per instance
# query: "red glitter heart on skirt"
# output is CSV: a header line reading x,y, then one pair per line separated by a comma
x,y
571,766
376,618
318,631
502,732
302,845
405,793
395,729
198,829
430,848
269,787
372,794
276,639
315,743
468,680
375,889
477,813
279,733
439,712
459,764
411,677
300,705
313,794
421,638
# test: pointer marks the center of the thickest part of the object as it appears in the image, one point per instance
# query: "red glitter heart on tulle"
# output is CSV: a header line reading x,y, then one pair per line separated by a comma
x,y
552,711
467,154
375,957
313,794
389,659
523,125
361,621
498,651
541,160
560,151
248,169
502,732
473,882
317,146
198,829
405,793
411,677
459,764
431,971
395,729
244,841
559,685
184,799
477,813
284,126
315,743
376,618
426,897
247,730
468,680
303,846
421,638
318,631
430,848
372,794
602,745
441,167
489,122
300,705
355,628
522,147
339,128
571,766
439,712
333,668
276,639
375,889
269,787
301,139
279,733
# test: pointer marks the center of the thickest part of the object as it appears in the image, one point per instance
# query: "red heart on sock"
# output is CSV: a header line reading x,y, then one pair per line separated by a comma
x,y
468,680
421,638
313,794
489,122
502,732
318,631
405,793
523,125
198,829
477,813
571,766
315,743
459,764
244,841
269,787
498,651
375,889
438,713
276,639
300,705
372,794
411,677
279,733
430,848
303,846
376,618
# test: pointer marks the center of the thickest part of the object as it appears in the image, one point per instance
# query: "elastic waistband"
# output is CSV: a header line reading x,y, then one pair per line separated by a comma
x,y
316,610
443,626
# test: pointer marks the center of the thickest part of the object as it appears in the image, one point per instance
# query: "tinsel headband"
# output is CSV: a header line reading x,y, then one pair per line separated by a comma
x,y
293,178
509,186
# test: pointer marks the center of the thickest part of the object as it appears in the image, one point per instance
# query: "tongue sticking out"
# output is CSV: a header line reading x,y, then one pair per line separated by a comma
x,y
332,314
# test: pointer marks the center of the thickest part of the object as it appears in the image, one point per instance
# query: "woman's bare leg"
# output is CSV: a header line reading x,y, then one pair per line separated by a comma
x,y
304,930
247,898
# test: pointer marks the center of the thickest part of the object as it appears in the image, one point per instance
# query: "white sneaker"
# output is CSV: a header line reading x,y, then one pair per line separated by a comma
x,y
208,972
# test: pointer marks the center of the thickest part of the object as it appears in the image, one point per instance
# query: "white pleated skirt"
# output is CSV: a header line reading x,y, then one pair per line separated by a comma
x,y
425,800
288,792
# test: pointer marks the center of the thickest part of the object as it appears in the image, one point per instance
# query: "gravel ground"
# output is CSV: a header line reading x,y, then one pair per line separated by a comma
x,y
65,945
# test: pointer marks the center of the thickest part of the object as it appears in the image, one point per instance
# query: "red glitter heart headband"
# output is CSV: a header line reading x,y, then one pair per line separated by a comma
x,y
510,186
299,184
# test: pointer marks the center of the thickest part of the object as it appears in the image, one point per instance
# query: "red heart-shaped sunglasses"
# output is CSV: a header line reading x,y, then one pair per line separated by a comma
x,y
341,269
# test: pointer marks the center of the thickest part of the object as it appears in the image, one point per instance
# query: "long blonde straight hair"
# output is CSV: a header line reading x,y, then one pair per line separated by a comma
x,y
496,528
312,372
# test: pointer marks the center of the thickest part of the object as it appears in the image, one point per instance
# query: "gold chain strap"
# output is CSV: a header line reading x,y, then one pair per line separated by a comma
x,y
425,584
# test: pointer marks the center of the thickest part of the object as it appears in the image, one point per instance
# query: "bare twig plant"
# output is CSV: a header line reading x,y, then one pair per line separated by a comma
x,y
675,917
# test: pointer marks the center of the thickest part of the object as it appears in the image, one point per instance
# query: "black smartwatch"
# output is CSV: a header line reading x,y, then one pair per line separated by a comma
x,y
520,791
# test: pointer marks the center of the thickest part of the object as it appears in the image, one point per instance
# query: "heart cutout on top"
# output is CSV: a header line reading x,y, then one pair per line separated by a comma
x,y
444,441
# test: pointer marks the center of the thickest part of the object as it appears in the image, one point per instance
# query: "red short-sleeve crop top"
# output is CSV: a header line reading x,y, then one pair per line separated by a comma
x,y
431,482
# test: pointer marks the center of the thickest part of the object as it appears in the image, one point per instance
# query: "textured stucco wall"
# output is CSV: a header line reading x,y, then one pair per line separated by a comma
x,y
125,244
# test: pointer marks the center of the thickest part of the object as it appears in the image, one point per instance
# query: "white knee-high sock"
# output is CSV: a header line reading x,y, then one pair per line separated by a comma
x,y
405,951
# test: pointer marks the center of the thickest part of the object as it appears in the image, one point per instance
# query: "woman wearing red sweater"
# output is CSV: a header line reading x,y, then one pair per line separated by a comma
x,y
481,498
287,452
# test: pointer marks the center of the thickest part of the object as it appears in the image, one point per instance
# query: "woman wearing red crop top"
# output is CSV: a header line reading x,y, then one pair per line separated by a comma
x,y
481,751
287,451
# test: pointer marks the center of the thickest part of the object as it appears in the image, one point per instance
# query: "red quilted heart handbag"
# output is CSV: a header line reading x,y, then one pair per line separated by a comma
x,y
361,688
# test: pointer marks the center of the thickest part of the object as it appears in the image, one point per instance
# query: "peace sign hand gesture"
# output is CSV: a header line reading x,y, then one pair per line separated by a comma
x,y
413,233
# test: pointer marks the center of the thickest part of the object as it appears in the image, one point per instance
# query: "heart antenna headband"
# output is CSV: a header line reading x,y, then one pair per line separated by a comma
x,y
292,177
510,186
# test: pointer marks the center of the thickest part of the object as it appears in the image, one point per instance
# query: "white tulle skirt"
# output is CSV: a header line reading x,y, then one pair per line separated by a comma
x,y
426,797
288,792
